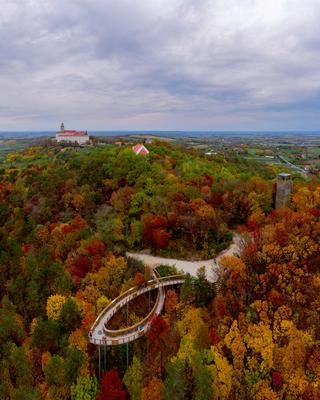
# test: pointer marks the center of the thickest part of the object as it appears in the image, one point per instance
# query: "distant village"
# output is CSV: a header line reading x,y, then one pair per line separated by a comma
x,y
301,158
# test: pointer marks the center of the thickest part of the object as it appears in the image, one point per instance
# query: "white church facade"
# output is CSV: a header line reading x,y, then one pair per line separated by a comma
x,y
80,137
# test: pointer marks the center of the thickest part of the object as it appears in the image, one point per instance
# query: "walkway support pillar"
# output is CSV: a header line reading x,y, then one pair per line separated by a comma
x,y
127,343
99,363
127,355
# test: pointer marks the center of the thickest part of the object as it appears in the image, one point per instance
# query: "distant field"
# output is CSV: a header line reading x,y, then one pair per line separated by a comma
x,y
8,146
314,152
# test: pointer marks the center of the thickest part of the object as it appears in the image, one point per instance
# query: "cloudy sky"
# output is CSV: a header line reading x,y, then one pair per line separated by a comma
x,y
160,64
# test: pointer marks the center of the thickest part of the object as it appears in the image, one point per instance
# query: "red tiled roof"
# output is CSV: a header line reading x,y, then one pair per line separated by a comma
x,y
72,133
136,147
140,149
144,151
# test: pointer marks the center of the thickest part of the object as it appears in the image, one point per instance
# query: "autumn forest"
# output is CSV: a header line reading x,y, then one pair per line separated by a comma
x,y
68,215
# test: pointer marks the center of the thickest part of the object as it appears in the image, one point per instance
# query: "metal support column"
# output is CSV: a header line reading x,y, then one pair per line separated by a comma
x,y
99,363
127,343
105,358
127,355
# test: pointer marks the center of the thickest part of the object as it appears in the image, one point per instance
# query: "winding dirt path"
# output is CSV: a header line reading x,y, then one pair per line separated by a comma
x,y
191,267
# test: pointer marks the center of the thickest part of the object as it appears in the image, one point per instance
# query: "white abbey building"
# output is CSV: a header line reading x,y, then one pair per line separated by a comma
x,y
80,137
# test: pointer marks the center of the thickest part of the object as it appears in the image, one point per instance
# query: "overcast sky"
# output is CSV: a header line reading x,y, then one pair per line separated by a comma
x,y
160,64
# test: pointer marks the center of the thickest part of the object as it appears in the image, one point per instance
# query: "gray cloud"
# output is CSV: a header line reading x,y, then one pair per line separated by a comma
x,y
160,64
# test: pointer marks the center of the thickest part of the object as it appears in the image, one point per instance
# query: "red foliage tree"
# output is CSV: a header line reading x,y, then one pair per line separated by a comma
x,y
158,328
67,229
206,192
154,231
216,199
276,298
220,306
80,267
139,279
277,380
111,387
207,180
78,223
160,238
148,226
254,229
95,247
249,253
215,339
315,212
26,249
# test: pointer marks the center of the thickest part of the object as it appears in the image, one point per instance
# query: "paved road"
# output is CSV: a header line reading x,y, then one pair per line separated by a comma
x,y
191,267
301,171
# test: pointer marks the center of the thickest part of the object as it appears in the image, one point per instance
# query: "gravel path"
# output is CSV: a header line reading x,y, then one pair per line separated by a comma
x,y
191,266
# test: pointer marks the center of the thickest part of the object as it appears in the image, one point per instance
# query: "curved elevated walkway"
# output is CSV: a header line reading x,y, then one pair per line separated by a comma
x,y
101,335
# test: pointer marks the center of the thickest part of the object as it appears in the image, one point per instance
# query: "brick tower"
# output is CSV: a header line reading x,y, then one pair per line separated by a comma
x,y
284,190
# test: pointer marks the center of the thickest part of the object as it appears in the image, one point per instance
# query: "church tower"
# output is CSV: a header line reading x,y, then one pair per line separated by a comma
x,y
62,127
284,190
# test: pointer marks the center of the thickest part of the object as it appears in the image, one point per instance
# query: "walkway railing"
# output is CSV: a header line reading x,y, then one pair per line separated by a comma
x,y
128,334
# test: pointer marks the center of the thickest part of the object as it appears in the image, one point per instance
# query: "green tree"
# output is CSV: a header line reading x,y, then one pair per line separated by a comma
x,y
54,371
46,335
133,379
86,388
26,394
72,365
11,327
135,235
20,367
187,289
203,289
70,316
202,378
175,385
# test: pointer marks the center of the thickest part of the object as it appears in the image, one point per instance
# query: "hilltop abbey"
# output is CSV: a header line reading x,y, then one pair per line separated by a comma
x,y
80,137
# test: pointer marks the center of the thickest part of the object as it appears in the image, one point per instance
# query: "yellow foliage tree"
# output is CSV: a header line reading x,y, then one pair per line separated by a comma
x,y
153,391
282,322
186,349
262,309
305,198
221,372
293,355
43,234
85,367
296,384
259,340
45,358
193,328
78,201
78,340
102,303
33,325
109,278
264,392
54,306
291,358
235,344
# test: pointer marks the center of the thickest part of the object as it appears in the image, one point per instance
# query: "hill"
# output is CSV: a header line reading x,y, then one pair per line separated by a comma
x,y
67,217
